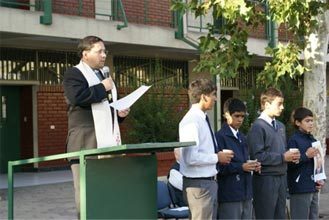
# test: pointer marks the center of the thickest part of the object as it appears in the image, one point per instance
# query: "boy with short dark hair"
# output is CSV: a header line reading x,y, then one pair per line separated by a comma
x,y
198,162
234,179
267,144
304,194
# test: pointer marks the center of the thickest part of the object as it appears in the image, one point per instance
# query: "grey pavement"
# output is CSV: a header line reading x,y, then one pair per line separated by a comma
x,y
56,200
51,201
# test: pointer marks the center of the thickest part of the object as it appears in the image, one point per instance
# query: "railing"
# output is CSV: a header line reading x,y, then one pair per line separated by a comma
x,y
149,12
199,25
26,5
39,5
131,148
102,9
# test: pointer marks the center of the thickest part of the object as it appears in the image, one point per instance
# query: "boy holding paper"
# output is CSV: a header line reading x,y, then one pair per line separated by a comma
x,y
303,188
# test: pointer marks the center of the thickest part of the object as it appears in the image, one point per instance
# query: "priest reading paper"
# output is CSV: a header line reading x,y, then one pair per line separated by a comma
x,y
92,123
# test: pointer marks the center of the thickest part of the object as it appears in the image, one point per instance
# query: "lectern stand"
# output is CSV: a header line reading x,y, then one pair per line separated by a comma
x,y
123,184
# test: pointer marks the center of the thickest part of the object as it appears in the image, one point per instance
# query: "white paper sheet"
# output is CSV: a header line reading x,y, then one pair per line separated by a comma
x,y
319,173
130,99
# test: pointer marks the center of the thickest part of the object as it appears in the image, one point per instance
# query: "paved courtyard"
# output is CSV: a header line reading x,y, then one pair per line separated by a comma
x,y
51,201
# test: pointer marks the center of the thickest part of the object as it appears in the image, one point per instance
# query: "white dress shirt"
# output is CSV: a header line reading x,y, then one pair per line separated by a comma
x,y
235,132
266,118
198,160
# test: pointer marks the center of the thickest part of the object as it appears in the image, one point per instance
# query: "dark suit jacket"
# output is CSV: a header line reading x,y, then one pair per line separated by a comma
x,y
79,97
234,183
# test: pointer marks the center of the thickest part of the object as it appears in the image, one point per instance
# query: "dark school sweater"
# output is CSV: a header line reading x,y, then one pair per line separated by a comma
x,y
268,145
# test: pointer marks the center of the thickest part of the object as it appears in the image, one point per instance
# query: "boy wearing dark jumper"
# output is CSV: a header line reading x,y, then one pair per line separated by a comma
x,y
304,194
234,179
267,143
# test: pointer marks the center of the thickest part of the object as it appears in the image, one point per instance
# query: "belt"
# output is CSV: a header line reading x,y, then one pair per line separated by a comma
x,y
201,178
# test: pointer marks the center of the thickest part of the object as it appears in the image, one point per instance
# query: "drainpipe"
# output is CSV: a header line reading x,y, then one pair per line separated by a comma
x,y
271,29
46,18
273,36
125,21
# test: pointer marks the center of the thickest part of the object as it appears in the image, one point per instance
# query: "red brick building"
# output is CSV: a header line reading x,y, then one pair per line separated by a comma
x,y
38,42
37,46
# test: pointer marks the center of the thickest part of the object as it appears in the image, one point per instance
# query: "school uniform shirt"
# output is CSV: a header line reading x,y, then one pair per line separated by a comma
x,y
234,184
300,176
198,160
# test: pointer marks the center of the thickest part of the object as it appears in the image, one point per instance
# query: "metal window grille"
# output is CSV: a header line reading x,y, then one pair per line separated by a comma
x,y
31,65
136,71
17,64
52,66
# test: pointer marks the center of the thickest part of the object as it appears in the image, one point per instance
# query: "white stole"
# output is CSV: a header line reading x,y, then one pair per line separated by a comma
x,y
106,134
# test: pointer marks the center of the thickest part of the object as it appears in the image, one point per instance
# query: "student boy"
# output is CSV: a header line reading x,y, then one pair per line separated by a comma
x,y
304,194
234,179
267,144
198,162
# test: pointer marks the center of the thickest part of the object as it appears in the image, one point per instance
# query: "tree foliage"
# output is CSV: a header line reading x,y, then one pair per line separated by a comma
x,y
154,117
224,50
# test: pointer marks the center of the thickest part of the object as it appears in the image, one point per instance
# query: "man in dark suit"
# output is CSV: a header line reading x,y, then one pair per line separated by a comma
x,y
87,90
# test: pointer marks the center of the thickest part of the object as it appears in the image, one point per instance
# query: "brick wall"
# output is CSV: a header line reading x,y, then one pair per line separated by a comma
x,y
257,32
284,34
71,7
52,112
165,161
150,12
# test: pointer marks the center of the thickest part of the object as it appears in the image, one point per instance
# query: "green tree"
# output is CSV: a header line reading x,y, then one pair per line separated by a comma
x,y
306,20
154,118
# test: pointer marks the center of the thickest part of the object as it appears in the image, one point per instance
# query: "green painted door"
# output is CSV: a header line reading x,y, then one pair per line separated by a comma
x,y
9,125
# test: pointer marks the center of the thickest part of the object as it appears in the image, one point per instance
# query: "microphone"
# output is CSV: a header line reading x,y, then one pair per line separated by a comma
x,y
106,71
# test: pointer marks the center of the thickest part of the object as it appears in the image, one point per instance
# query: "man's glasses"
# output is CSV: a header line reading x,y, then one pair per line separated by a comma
x,y
100,51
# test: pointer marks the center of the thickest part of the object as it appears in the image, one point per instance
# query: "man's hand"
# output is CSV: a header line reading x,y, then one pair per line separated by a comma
x,y
292,156
225,156
123,113
319,184
258,167
311,152
108,83
251,165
